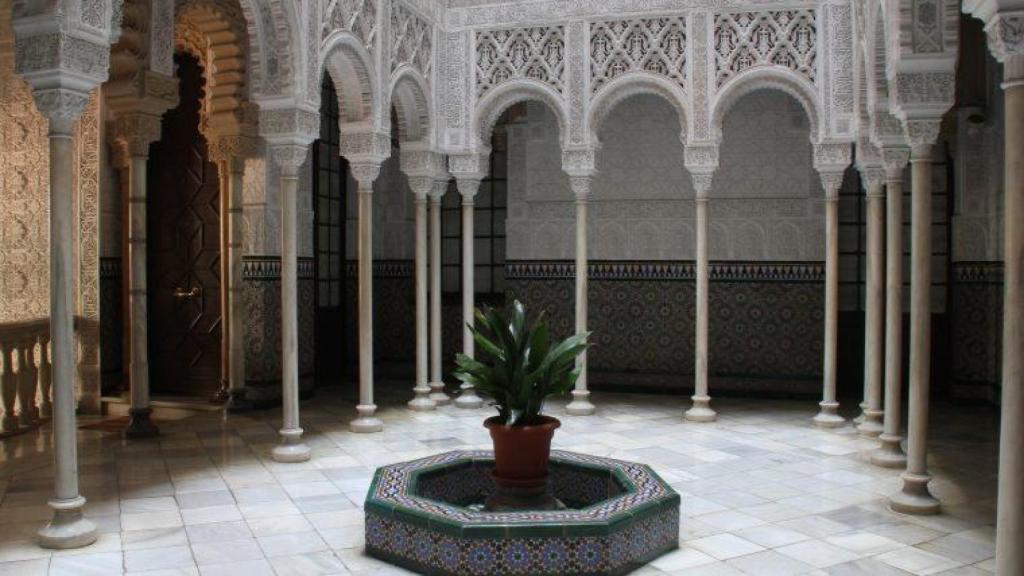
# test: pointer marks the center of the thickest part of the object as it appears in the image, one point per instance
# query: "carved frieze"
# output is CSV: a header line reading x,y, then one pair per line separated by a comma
x,y
536,53
412,40
745,40
655,45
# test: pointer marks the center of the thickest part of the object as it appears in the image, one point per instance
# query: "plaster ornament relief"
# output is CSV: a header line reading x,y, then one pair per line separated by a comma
x,y
746,40
356,16
535,53
412,40
655,45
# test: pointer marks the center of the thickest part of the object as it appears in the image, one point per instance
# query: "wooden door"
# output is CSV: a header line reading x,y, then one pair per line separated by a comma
x,y
183,211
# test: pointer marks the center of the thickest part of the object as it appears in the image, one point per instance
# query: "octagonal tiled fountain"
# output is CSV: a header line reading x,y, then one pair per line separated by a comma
x,y
427,515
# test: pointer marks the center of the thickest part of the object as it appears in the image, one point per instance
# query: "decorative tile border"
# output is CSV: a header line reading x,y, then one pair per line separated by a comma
x,y
258,268
978,272
383,268
666,270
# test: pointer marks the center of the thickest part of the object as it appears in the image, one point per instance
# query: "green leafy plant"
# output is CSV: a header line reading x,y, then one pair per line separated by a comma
x,y
519,366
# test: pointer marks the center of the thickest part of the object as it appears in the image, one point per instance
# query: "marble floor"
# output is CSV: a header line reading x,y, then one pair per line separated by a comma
x,y
764,492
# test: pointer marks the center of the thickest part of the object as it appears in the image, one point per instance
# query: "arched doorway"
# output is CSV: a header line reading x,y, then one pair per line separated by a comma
x,y
184,252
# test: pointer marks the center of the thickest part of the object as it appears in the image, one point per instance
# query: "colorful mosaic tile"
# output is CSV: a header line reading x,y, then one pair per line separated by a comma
x,y
422,515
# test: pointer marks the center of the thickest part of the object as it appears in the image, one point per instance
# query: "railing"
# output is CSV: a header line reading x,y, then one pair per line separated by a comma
x,y
25,379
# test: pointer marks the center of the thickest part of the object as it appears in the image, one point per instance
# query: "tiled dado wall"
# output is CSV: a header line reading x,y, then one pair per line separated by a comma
x,y
977,329
766,325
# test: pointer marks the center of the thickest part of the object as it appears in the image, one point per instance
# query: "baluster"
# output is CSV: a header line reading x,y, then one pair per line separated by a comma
x,y
45,382
8,389
27,377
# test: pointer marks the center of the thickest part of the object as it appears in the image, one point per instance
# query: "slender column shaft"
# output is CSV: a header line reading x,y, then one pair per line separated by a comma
x,y
140,425
437,393
580,404
468,188
874,311
701,410
236,304
68,529
828,417
1010,515
291,448
366,421
224,392
890,454
915,497
421,389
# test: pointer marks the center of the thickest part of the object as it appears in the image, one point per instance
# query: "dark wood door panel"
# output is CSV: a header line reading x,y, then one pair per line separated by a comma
x,y
184,250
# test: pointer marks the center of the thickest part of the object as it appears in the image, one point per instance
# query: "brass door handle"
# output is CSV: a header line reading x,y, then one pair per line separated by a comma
x,y
182,293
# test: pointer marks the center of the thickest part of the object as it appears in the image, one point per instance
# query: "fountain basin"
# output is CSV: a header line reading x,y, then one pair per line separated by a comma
x,y
427,515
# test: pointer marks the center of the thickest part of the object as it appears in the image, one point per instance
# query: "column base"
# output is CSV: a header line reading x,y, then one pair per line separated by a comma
x,y
422,401
291,449
580,405
239,402
140,426
366,422
871,426
863,413
68,529
701,410
915,497
223,394
468,398
438,395
829,416
890,454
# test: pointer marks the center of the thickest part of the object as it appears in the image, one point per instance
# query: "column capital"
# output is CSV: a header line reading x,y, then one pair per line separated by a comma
x,y
831,181
131,134
832,157
872,179
62,106
579,161
289,158
580,187
474,163
702,184
418,161
232,150
468,187
365,173
440,186
1005,32
922,133
421,187
894,161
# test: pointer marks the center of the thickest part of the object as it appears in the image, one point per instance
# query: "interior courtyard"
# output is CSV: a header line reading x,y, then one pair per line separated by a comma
x,y
242,242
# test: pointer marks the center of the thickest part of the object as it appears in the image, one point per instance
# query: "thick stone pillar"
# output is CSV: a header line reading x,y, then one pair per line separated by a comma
x,y
421,187
580,404
365,174
890,453
874,302
829,416
468,187
437,393
915,498
1010,513
291,449
701,410
68,528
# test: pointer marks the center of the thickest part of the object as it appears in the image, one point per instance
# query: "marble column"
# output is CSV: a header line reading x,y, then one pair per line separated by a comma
x,y
421,187
701,410
829,416
580,404
365,422
291,449
437,393
235,311
1010,513
874,303
68,528
915,498
890,453
468,187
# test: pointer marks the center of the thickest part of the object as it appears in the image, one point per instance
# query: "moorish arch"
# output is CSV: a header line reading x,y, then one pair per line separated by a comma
x,y
772,78
632,84
410,98
490,108
351,69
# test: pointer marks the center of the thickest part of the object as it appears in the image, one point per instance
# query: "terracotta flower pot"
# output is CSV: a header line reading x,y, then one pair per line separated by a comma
x,y
521,452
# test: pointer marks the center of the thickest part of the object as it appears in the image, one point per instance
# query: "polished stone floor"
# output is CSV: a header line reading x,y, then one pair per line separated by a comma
x,y
764,492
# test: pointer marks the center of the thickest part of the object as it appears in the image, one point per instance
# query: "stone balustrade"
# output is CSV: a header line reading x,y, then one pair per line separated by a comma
x,y
24,375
